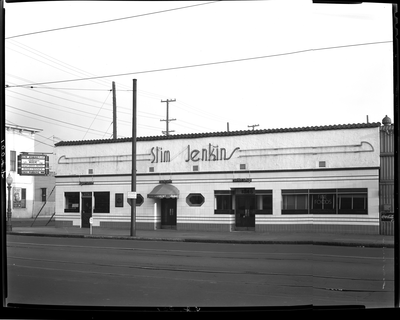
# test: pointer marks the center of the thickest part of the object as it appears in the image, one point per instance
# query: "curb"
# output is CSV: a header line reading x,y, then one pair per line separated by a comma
x,y
299,242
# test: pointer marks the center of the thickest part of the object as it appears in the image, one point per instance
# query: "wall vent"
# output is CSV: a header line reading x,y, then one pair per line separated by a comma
x,y
322,164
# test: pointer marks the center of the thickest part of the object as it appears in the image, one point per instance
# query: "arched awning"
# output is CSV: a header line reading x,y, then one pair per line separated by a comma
x,y
164,191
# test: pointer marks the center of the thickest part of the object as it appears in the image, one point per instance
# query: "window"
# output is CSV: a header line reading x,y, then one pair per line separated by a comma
x,y
13,160
353,201
44,190
71,202
195,199
101,202
223,202
119,200
294,201
263,202
323,201
139,200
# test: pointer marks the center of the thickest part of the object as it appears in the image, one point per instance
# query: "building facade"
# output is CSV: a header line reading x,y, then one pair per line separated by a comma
x,y
312,179
20,139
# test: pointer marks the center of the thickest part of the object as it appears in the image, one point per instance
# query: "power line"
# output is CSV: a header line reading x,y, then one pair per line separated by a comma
x,y
72,124
204,64
96,115
107,21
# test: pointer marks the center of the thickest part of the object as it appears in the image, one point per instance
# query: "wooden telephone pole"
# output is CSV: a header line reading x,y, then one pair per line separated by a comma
x,y
253,125
114,111
168,119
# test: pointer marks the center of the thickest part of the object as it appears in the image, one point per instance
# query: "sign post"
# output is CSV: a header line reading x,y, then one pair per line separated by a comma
x,y
91,224
133,181
132,195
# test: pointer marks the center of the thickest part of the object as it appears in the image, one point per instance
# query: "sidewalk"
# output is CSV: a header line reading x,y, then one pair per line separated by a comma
x,y
39,229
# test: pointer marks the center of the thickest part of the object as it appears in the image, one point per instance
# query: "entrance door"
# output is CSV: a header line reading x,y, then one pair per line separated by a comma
x,y
86,211
245,212
168,213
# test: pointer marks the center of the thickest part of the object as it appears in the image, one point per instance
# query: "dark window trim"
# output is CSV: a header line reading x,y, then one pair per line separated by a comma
x,y
188,201
77,209
101,209
119,200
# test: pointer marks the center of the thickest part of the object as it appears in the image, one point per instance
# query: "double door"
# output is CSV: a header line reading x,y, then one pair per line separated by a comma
x,y
245,218
168,213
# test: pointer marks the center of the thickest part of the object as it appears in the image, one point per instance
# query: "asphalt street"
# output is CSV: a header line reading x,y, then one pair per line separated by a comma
x,y
111,272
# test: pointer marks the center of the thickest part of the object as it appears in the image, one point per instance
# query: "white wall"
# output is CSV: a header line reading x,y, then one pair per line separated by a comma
x,y
270,151
20,141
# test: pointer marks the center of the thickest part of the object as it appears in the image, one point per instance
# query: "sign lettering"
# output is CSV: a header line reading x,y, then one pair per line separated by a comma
x,y
159,155
212,153
33,164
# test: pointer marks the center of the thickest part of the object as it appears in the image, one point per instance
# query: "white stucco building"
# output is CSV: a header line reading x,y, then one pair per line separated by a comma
x,y
322,178
20,139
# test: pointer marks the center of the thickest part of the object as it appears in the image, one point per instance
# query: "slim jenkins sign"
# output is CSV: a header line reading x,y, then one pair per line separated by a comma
x,y
33,164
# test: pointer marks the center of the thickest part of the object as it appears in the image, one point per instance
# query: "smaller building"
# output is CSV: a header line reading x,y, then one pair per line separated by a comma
x,y
20,139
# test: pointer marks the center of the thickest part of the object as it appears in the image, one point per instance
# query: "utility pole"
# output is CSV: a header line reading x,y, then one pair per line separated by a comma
x,y
133,181
253,125
114,111
168,119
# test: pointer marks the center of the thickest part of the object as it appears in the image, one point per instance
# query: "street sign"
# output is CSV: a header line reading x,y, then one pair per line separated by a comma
x,y
132,195
33,164
91,220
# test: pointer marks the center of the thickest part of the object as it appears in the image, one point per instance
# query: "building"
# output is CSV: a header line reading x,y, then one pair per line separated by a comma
x,y
30,194
322,179
20,139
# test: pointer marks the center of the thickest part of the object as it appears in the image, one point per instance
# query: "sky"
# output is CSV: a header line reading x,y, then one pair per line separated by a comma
x,y
227,64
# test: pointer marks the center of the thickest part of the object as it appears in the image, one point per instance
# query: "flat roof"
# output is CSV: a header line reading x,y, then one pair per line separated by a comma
x,y
222,134
17,127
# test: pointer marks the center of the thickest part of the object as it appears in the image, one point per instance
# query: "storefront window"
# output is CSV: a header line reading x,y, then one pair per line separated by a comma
x,y
323,201
101,202
263,202
294,201
352,201
223,202
71,202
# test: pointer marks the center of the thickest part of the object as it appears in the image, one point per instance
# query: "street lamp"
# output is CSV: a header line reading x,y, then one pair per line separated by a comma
x,y
9,182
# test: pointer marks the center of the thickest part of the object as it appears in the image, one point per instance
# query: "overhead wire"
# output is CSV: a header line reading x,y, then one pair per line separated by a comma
x,y
94,119
110,20
205,64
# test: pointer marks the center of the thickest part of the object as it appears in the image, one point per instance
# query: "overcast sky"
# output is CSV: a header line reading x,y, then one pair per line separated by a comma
x,y
275,64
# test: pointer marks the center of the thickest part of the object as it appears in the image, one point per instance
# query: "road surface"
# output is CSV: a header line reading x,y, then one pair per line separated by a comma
x,y
104,272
